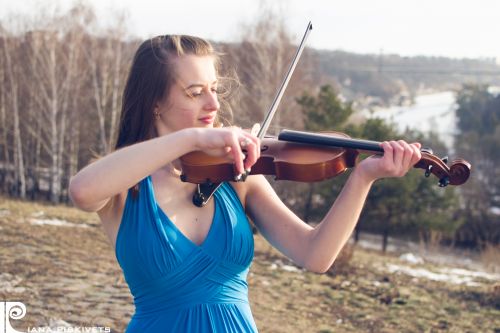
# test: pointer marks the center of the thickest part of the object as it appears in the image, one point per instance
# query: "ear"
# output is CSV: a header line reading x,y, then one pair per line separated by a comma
x,y
157,106
156,110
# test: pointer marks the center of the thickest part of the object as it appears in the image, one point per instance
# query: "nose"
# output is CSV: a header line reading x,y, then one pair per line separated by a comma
x,y
212,102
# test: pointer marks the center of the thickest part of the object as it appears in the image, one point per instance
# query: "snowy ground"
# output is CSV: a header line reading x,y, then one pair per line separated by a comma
x,y
457,267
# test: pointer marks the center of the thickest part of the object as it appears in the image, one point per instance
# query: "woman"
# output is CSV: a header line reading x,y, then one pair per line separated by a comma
x,y
186,266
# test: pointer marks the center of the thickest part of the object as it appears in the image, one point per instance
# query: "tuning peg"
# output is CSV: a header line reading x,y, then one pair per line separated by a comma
x,y
428,170
445,159
444,181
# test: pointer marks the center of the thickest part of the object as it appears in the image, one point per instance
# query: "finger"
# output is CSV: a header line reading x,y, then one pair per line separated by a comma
x,y
417,155
228,152
251,157
417,144
251,136
398,154
407,156
388,155
253,150
238,155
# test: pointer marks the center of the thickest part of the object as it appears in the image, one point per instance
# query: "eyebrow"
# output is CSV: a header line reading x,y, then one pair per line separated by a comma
x,y
199,85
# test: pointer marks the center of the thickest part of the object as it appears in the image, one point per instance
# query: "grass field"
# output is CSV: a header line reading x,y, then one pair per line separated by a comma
x,y
58,262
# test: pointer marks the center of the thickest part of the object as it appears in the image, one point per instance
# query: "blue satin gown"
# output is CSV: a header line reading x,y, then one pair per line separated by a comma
x,y
177,285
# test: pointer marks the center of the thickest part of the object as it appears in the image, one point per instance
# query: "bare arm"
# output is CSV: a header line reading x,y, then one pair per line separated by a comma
x,y
317,248
93,187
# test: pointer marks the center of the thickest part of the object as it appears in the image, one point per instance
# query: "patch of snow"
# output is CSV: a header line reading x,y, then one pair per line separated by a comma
x,y
450,275
411,258
473,274
285,267
56,222
495,210
345,284
290,268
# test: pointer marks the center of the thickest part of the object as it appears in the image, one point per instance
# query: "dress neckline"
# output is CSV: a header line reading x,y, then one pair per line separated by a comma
x,y
174,226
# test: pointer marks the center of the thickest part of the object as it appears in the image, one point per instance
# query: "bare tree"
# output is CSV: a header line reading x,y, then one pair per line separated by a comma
x,y
35,123
262,59
52,85
107,76
10,47
3,119
54,67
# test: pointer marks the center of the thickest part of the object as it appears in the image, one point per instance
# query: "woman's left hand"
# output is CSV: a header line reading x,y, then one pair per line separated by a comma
x,y
399,157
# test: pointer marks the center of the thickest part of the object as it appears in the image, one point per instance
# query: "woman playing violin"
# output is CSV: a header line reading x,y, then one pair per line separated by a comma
x,y
186,266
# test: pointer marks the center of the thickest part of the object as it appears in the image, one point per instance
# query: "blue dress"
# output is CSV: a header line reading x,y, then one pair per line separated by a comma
x,y
177,285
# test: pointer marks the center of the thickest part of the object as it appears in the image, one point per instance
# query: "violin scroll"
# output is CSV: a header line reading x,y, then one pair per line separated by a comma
x,y
456,174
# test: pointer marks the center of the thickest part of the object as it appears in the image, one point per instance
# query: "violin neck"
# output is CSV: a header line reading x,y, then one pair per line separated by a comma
x,y
329,140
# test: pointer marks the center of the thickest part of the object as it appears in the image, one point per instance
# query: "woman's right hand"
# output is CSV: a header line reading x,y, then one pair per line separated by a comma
x,y
229,142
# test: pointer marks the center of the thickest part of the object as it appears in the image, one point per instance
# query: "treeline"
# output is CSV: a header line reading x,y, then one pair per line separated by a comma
x,y
61,97
413,206
396,79
478,116
62,84
468,215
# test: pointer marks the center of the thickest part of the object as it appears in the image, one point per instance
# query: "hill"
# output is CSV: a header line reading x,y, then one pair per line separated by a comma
x,y
393,79
57,261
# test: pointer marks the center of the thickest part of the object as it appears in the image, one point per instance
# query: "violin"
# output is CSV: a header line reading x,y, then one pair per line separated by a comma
x,y
302,156
311,157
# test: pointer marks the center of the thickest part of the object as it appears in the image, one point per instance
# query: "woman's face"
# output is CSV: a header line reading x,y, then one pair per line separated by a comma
x,y
192,100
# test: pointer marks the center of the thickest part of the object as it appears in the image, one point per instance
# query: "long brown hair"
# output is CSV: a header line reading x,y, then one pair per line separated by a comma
x,y
151,76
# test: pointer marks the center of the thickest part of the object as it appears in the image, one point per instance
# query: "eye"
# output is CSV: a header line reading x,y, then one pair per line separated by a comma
x,y
194,93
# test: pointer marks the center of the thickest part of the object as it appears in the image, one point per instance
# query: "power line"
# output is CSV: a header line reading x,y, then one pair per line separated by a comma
x,y
385,69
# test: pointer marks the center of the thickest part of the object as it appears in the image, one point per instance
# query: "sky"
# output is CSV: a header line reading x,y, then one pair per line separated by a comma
x,y
451,28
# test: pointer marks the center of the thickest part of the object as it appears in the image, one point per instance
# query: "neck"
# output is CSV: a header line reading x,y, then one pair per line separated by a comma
x,y
332,141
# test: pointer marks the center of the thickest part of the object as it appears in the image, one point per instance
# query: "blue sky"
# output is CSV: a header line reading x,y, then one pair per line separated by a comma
x,y
465,28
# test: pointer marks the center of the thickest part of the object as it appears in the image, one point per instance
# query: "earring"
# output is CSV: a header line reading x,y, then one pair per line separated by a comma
x,y
157,115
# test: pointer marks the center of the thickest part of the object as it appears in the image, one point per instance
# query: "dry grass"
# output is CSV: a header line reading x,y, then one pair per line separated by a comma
x,y
71,274
490,257
364,297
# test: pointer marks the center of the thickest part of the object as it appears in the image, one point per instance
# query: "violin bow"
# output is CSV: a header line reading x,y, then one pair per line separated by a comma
x,y
205,191
284,84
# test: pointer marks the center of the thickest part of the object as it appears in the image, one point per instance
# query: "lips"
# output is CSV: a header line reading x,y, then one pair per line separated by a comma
x,y
207,119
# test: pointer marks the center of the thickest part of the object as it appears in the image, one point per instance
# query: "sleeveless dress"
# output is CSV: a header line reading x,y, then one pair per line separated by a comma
x,y
177,285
